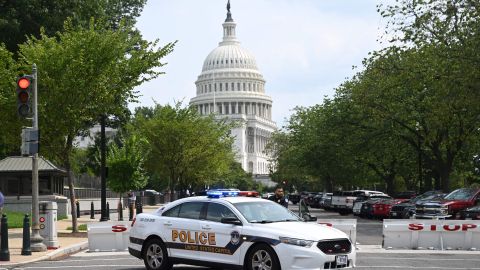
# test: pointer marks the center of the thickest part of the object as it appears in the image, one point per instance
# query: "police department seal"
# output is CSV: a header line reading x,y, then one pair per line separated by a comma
x,y
235,237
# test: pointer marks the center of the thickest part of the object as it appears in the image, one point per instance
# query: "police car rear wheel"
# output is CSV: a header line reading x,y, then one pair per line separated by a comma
x,y
262,257
156,257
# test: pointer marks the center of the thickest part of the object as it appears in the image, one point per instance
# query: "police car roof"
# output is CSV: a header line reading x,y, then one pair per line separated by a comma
x,y
232,199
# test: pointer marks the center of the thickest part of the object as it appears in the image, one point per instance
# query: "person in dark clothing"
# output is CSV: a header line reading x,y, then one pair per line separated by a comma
x,y
279,198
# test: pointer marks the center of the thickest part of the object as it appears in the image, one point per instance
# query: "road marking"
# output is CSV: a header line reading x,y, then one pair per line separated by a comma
x,y
419,258
414,267
89,260
78,266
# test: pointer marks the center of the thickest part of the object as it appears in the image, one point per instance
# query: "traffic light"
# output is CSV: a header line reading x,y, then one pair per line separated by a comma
x,y
24,92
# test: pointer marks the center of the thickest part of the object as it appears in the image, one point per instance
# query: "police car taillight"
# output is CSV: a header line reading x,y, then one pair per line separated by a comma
x,y
133,222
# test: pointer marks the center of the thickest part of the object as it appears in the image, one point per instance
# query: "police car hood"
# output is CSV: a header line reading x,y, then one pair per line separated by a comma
x,y
302,230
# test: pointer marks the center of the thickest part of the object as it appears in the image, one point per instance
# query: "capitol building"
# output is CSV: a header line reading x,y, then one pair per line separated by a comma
x,y
231,86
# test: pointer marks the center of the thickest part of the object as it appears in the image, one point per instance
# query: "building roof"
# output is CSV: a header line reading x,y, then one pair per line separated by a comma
x,y
24,164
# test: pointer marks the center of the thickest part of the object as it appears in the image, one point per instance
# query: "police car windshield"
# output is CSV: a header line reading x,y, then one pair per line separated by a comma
x,y
264,211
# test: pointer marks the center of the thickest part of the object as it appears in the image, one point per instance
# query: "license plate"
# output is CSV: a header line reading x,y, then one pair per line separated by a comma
x,y
341,260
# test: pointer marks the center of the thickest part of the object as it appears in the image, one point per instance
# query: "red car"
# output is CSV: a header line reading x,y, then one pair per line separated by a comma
x,y
381,208
450,206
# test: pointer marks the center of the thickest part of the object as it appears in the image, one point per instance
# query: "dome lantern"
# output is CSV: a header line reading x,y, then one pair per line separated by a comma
x,y
229,37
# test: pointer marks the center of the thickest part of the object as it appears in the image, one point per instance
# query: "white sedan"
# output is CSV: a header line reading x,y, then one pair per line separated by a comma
x,y
236,233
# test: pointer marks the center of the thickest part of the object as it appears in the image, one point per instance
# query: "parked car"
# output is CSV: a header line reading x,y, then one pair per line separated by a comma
x,y
316,200
450,206
357,205
267,195
294,197
368,206
381,209
343,201
471,213
326,201
407,209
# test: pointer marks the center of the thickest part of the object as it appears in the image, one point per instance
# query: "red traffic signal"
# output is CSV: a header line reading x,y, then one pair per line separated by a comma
x,y
23,83
24,90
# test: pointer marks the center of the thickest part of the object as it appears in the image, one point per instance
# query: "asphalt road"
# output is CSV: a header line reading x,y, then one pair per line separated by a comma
x,y
369,232
123,261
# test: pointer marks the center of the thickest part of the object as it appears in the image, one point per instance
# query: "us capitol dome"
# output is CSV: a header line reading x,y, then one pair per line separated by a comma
x,y
230,85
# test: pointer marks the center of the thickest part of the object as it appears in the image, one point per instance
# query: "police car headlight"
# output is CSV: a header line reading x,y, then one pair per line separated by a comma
x,y
296,242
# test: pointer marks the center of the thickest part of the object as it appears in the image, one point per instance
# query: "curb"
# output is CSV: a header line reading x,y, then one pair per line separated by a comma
x,y
378,249
61,252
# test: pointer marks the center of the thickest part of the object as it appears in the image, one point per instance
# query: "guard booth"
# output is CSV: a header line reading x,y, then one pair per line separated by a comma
x,y
16,184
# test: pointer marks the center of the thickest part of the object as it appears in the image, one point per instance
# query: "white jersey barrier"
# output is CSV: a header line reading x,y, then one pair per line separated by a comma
x,y
348,226
108,236
431,234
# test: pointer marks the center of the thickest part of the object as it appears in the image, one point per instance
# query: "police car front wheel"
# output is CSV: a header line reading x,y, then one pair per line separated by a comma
x,y
262,257
155,256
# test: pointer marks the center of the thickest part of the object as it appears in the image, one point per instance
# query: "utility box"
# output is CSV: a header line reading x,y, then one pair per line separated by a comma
x,y
48,224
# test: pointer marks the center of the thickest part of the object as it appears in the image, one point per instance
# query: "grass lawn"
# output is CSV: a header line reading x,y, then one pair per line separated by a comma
x,y
81,227
15,219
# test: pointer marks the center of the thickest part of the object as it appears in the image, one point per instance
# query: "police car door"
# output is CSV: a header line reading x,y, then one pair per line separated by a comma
x,y
226,248
180,230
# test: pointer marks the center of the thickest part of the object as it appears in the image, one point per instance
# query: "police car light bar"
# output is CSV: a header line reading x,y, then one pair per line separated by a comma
x,y
219,194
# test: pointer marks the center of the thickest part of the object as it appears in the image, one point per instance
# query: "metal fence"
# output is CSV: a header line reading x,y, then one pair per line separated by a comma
x,y
89,193
92,193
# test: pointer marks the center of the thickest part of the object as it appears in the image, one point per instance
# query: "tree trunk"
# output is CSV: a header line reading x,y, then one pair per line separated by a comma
x,y
71,190
390,181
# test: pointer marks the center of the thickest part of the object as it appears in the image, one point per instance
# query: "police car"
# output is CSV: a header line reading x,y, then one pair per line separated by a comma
x,y
222,230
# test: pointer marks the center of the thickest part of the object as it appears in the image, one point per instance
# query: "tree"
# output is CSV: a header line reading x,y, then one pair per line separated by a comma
x,y
85,73
185,148
126,165
10,131
23,18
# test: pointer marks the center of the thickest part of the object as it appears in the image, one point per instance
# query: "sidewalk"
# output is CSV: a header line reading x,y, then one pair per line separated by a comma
x,y
69,243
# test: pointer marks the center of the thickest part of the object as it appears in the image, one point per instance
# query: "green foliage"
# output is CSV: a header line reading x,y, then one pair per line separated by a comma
x,y
409,119
20,19
126,165
10,131
15,219
186,149
81,227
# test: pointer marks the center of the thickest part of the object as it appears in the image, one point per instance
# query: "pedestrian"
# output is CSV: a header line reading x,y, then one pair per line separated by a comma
x,y
279,197
131,200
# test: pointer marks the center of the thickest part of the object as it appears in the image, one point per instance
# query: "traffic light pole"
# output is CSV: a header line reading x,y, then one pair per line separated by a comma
x,y
36,239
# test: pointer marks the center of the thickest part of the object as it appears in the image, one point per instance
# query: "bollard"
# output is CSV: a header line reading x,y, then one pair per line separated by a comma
x,y
77,204
26,236
120,211
139,205
4,253
108,211
92,211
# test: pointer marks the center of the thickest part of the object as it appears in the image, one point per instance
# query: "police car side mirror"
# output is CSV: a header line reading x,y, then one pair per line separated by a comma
x,y
231,220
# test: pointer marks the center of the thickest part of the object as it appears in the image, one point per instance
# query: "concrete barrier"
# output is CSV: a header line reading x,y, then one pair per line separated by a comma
x,y
348,226
431,234
108,236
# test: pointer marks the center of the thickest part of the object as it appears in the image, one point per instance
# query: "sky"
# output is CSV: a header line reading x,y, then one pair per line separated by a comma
x,y
303,48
